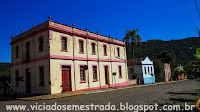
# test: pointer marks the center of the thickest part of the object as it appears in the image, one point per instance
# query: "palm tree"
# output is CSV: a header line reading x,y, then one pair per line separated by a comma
x,y
133,39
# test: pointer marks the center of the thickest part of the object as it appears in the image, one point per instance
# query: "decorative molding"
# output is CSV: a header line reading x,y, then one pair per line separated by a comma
x,y
107,66
63,36
65,64
69,58
59,27
79,65
43,65
27,37
94,65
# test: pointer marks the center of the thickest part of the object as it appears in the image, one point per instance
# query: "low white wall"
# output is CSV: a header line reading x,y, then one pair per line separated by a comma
x,y
133,82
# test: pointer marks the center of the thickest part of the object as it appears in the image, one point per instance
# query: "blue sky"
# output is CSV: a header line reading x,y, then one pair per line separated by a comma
x,y
155,19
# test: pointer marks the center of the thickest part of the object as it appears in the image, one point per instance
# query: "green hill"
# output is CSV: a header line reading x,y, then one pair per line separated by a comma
x,y
5,72
184,49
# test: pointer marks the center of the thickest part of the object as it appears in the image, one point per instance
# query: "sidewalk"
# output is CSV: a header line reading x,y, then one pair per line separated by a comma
x,y
76,93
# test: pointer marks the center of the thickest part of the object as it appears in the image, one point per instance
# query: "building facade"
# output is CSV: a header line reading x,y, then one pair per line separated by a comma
x,y
53,58
145,69
166,76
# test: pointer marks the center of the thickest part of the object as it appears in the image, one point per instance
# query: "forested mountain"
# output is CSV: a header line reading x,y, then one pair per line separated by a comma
x,y
184,49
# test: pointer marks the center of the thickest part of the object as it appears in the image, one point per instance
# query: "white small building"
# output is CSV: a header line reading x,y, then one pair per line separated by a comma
x,y
145,69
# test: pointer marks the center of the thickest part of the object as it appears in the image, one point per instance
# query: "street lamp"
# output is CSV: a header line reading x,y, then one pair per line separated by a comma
x,y
114,74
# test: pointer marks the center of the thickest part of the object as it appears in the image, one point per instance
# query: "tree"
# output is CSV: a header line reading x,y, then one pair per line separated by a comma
x,y
5,72
158,68
133,39
189,68
184,49
176,73
134,75
167,57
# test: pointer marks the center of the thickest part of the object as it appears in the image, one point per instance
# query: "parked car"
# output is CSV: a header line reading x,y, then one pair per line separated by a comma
x,y
193,77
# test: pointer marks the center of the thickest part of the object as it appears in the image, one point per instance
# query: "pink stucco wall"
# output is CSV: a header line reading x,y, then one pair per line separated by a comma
x,y
167,70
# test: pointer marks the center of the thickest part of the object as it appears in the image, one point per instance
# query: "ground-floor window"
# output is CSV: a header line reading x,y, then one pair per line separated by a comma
x,y
17,77
120,72
82,73
41,75
94,72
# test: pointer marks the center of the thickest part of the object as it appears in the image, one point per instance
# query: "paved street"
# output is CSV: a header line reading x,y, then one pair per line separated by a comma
x,y
172,93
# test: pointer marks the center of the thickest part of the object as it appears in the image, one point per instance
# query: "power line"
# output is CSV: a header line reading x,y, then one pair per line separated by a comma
x,y
198,13
191,15
197,7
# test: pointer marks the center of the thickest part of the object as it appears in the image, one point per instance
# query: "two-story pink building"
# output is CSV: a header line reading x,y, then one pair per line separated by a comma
x,y
53,58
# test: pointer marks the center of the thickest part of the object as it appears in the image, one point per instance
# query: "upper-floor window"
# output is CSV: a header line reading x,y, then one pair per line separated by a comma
x,y
148,70
145,72
16,52
82,73
28,51
93,48
64,43
94,72
81,48
151,69
105,50
120,72
17,77
41,75
118,52
40,44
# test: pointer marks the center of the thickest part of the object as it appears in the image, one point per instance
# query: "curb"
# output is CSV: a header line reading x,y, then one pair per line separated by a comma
x,y
29,99
101,91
